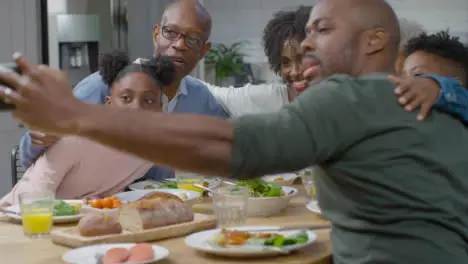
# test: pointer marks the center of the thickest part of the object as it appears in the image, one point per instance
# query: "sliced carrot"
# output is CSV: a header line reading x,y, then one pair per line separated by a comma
x,y
107,203
96,204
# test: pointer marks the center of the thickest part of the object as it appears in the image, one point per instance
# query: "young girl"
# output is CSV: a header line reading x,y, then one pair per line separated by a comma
x,y
77,168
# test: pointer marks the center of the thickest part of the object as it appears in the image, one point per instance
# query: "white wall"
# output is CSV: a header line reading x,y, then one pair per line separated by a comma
x,y
244,19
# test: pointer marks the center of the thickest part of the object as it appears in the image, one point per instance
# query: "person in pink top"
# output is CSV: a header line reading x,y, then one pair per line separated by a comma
x,y
78,168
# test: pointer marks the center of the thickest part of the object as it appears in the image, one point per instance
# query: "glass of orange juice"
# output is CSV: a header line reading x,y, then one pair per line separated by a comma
x,y
186,181
37,210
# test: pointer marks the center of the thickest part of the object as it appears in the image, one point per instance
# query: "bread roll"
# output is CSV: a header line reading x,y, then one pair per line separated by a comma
x,y
154,210
99,225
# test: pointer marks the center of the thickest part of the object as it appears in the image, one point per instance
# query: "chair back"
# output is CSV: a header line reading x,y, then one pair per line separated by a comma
x,y
17,170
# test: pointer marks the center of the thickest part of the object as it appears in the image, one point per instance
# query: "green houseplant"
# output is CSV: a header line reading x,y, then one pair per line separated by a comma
x,y
225,61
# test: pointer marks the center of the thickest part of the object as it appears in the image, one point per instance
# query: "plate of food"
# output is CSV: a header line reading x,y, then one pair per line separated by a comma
x,y
314,207
65,211
114,203
282,179
141,253
250,241
168,184
267,198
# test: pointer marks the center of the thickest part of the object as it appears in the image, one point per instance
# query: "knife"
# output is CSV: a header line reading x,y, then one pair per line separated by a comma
x,y
285,228
5,211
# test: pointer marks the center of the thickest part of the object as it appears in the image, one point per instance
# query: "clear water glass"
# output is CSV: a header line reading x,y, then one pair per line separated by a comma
x,y
186,180
37,209
230,205
308,180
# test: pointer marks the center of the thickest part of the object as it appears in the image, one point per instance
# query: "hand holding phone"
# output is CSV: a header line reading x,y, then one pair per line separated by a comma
x,y
8,67
43,99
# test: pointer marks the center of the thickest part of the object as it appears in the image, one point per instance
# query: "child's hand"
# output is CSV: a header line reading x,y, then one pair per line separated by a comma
x,y
416,92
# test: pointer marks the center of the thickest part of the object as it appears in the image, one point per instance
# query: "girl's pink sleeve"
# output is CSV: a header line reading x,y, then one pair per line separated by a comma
x,y
47,172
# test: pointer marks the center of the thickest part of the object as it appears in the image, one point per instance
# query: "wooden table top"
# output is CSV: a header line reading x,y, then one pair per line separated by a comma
x,y
16,248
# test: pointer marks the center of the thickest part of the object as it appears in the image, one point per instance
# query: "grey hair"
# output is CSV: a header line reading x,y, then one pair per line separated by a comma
x,y
408,30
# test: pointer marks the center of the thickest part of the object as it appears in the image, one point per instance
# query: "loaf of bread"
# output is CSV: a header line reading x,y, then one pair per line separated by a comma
x,y
99,225
153,210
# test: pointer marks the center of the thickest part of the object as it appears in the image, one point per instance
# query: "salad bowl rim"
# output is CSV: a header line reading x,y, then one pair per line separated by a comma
x,y
289,196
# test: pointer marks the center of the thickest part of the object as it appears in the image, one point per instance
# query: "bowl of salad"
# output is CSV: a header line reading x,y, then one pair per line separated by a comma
x,y
267,198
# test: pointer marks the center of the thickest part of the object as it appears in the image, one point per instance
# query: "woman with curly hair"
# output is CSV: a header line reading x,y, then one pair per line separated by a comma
x,y
281,39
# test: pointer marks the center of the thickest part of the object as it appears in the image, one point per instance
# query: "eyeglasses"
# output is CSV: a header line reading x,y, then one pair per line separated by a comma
x,y
192,42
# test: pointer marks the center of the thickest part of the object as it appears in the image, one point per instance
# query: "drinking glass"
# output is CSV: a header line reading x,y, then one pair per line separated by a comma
x,y
37,209
186,180
308,180
230,205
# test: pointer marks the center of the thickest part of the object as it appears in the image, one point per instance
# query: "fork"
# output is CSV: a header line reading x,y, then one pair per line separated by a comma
x,y
288,228
202,187
161,181
5,211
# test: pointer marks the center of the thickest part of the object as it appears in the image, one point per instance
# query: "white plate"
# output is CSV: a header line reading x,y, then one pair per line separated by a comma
x,y
88,254
200,242
212,183
283,178
314,207
132,196
56,219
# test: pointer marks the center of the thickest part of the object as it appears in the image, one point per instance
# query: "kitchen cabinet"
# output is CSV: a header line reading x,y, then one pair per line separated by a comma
x,y
20,31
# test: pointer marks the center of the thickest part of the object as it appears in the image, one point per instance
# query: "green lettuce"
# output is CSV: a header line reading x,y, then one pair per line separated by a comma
x,y
62,208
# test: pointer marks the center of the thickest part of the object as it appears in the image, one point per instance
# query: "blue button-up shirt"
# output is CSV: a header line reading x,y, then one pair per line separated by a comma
x,y
193,97
453,97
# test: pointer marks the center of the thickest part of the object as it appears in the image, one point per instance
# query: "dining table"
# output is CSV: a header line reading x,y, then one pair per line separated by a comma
x,y
15,247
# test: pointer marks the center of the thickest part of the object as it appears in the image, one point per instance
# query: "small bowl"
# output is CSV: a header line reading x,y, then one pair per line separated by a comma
x,y
269,206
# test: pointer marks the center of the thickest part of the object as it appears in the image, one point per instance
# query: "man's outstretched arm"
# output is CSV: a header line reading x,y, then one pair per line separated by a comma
x,y
321,122
185,142
318,124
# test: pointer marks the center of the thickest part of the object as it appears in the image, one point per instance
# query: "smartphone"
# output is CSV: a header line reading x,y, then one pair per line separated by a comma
x,y
7,67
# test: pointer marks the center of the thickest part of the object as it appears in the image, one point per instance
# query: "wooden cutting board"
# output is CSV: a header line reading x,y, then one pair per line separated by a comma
x,y
71,237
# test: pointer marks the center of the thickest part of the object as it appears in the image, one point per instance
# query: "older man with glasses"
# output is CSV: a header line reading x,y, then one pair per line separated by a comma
x,y
183,35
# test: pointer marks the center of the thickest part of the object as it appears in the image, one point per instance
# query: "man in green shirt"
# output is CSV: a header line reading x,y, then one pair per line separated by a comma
x,y
396,188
